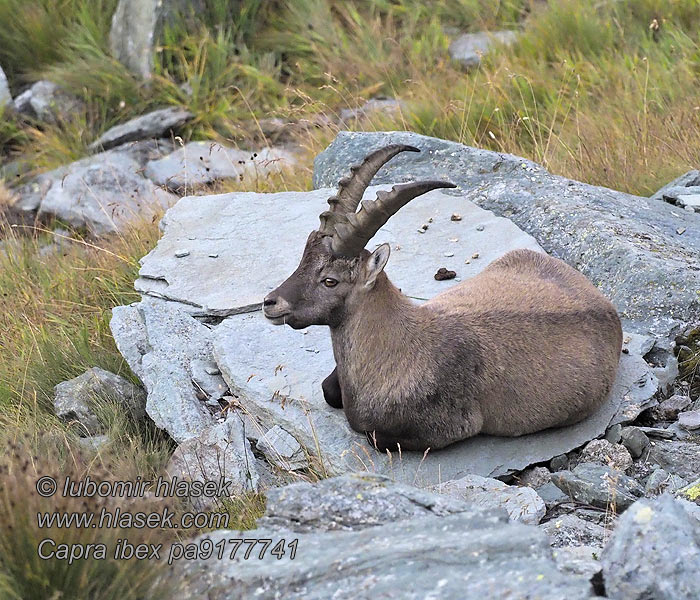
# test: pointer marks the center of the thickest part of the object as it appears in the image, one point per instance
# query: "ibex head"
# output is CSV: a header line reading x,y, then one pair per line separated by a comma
x,y
336,272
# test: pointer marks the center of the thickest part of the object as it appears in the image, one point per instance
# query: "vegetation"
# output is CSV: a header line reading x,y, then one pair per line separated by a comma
x,y
604,92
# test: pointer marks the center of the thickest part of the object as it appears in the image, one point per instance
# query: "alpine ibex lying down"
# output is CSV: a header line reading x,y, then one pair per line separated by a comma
x,y
527,344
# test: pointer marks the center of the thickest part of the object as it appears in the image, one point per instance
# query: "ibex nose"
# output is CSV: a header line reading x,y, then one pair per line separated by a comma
x,y
269,301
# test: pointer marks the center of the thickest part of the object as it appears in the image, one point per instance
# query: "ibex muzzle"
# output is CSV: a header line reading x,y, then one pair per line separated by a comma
x,y
527,344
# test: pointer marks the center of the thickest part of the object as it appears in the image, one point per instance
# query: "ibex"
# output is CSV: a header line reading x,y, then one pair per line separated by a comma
x,y
527,344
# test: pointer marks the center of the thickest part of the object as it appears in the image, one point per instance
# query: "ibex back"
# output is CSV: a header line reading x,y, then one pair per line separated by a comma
x,y
527,344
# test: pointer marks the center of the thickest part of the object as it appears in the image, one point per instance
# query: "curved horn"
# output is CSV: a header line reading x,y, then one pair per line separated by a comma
x,y
351,188
352,236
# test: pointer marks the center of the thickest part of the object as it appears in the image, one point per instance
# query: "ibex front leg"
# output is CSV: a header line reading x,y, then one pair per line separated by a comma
x,y
331,390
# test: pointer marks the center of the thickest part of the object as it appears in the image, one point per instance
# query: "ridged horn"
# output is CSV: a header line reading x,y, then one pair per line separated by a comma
x,y
351,188
352,234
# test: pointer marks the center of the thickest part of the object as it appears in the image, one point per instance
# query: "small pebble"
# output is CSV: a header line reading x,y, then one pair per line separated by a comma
x,y
475,255
449,254
680,230
182,253
456,217
467,262
454,239
213,255
212,371
423,228
430,220
479,227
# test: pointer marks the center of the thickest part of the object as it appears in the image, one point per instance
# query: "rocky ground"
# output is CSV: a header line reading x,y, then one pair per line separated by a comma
x,y
607,507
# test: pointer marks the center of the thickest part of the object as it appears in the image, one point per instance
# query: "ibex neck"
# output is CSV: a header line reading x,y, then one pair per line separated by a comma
x,y
380,334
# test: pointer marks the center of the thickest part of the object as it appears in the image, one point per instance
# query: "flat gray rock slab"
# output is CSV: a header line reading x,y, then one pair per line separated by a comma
x,y
202,163
468,48
276,372
225,243
461,556
628,246
151,125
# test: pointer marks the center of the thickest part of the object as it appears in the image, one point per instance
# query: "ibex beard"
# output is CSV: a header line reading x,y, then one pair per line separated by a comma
x,y
526,345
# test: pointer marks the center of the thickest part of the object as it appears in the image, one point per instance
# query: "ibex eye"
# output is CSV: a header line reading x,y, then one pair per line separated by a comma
x,y
328,282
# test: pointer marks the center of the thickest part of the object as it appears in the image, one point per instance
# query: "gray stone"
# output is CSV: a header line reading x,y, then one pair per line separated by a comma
x,y
641,395
370,541
387,106
654,552
47,102
679,457
657,433
75,400
535,477
154,124
521,503
357,501
599,486
634,440
603,452
668,409
160,341
468,48
282,449
103,193
5,96
551,495
683,191
211,383
559,462
199,164
136,27
626,245
689,420
661,480
219,452
570,530
612,435
578,560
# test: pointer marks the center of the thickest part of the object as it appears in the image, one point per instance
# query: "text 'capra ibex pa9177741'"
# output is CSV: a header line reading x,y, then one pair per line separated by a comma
x,y
527,344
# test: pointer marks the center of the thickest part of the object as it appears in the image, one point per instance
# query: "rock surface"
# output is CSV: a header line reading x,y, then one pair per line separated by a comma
x,y
626,245
604,453
102,193
356,501
468,48
220,452
136,26
679,457
202,163
5,97
570,530
152,125
384,549
47,102
683,191
521,503
599,486
213,262
74,399
654,552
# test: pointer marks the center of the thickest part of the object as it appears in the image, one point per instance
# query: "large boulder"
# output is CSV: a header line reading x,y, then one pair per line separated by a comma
x,y
361,537
102,193
654,552
202,287
640,252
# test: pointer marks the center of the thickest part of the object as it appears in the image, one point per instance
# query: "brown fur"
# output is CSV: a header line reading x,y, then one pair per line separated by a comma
x,y
526,345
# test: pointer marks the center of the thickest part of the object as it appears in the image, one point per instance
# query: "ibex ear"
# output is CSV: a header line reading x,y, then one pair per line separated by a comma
x,y
375,264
